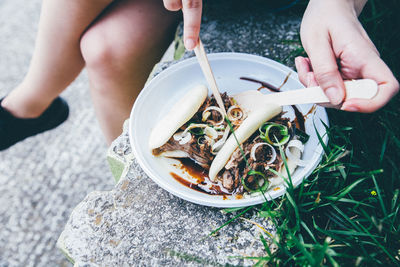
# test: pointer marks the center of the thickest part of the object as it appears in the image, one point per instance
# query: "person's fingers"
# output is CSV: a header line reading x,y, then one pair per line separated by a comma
x,y
191,20
307,77
311,81
326,70
173,5
377,70
303,68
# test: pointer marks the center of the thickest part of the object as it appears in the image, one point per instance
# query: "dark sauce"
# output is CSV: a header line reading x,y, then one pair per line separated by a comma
x,y
263,84
312,109
300,118
193,169
201,175
186,182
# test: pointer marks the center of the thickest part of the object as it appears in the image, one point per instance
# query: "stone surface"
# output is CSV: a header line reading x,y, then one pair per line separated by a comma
x,y
44,177
138,223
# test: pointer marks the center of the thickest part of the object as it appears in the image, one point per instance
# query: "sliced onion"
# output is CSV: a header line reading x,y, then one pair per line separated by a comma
x,y
201,140
254,148
219,127
182,137
210,140
211,132
298,145
205,115
218,145
230,115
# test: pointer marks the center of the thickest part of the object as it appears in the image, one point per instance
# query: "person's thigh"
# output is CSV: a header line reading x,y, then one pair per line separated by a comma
x,y
120,50
130,30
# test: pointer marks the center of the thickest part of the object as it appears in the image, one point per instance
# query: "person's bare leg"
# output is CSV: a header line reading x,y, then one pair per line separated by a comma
x,y
57,59
120,50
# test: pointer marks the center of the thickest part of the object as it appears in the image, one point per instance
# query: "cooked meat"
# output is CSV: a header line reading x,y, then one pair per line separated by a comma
x,y
215,116
201,154
231,179
237,178
237,168
227,180
234,160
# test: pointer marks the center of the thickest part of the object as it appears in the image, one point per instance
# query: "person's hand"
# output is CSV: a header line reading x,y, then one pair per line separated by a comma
x,y
339,49
191,19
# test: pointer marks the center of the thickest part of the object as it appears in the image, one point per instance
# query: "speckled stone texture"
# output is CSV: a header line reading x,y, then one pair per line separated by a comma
x,y
136,223
140,224
44,177
248,27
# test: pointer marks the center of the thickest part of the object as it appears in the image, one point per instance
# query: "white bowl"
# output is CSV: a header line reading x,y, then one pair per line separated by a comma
x,y
170,85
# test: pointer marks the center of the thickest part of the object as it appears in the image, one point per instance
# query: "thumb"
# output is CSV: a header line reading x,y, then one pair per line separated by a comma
x,y
326,70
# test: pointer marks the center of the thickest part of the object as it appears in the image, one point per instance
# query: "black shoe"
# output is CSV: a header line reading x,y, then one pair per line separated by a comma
x,y
13,129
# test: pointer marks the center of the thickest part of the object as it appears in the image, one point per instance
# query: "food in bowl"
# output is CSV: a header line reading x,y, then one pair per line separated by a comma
x,y
239,154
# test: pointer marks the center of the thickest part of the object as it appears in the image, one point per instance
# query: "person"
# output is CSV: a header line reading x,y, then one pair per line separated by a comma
x,y
337,46
117,41
120,41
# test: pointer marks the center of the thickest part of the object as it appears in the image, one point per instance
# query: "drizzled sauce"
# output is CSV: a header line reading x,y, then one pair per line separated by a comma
x,y
312,109
203,185
186,182
263,84
299,119
193,169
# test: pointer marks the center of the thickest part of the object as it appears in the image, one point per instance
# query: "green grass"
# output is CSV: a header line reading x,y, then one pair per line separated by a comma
x,y
347,213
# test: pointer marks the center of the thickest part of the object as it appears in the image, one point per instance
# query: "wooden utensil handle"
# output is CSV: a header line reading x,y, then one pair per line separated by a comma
x,y
205,66
364,89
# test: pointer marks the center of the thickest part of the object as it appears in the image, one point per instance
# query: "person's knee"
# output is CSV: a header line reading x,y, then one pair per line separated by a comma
x,y
96,50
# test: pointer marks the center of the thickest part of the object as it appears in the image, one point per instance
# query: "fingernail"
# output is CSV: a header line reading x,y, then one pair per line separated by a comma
x,y
296,62
350,108
190,44
334,95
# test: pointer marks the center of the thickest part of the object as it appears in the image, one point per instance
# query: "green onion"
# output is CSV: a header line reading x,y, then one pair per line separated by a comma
x,y
255,174
267,127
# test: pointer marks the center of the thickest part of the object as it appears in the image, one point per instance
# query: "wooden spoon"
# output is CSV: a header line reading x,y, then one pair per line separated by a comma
x,y
252,99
